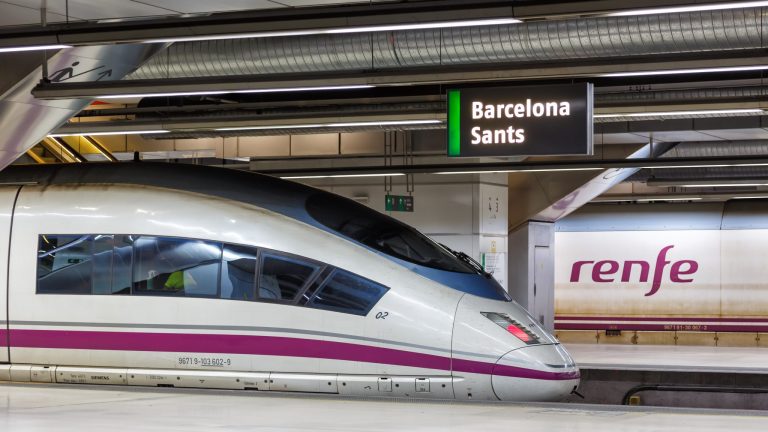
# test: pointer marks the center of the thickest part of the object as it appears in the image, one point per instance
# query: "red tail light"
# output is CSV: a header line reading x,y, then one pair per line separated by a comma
x,y
513,327
518,333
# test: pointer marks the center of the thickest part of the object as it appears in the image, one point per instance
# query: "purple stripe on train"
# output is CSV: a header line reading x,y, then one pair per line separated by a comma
x,y
663,319
264,345
663,327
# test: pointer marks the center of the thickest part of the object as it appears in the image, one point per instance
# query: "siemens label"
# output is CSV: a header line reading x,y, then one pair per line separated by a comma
x,y
520,121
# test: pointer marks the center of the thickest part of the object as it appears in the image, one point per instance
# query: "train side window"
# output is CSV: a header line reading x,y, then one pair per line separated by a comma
x,y
282,278
176,267
111,265
102,264
122,263
348,293
64,264
238,272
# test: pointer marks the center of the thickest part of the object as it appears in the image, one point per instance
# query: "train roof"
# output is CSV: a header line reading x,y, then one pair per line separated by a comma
x,y
734,214
243,186
323,210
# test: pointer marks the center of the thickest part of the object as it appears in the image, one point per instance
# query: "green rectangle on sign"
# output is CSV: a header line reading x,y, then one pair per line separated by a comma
x,y
454,123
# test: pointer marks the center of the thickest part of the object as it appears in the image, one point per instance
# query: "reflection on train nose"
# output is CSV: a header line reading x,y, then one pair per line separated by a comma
x,y
535,373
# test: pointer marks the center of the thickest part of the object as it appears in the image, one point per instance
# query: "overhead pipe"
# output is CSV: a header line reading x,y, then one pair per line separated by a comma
x,y
528,42
746,148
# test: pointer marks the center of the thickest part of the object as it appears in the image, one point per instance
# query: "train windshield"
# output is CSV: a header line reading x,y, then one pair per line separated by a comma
x,y
381,232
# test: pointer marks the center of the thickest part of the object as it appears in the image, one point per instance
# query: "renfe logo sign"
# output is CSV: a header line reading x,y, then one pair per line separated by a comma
x,y
520,121
608,271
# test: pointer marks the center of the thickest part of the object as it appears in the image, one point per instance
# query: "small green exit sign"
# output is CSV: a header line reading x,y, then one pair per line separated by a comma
x,y
398,203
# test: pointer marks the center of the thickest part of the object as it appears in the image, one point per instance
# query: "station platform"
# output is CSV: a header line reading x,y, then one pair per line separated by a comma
x,y
670,358
72,408
610,373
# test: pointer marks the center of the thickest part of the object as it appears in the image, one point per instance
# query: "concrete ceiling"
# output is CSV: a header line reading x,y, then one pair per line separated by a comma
x,y
622,95
25,12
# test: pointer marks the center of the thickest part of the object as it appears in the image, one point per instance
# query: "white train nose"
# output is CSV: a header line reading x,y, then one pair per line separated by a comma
x,y
535,373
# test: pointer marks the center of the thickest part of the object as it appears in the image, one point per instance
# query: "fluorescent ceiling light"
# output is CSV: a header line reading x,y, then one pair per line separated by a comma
x,y
563,169
707,166
751,197
686,166
234,36
334,125
298,126
686,71
386,123
424,26
33,48
680,113
723,185
522,170
647,199
668,199
343,30
715,183
343,176
131,132
221,92
692,8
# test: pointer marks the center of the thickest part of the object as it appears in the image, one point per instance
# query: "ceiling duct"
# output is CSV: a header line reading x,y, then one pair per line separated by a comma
x,y
709,149
529,42
715,149
667,96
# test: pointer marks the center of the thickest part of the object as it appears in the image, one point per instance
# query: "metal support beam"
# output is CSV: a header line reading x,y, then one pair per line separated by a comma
x,y
35,157
408,76
553,166
100,148
55,149
71,154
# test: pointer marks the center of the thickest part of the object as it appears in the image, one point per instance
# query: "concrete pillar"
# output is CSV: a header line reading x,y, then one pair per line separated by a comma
x,y
532,270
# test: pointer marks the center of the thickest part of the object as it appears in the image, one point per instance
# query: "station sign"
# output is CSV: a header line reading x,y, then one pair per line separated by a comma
x,y
520,121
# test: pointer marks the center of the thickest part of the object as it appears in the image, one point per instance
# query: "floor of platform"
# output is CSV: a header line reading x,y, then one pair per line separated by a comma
x,y
67,408
670,358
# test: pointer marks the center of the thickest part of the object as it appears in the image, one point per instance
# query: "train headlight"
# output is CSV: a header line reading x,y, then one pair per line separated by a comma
x,y
512,326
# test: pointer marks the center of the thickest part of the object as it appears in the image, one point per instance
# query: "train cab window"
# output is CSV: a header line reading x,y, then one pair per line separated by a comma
x,y
238,272
348,293
176,267
317,282
64,264
282,278
381,232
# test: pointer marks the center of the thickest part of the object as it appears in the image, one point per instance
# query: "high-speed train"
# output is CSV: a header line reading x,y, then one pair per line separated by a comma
x,y
187,276
664,271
